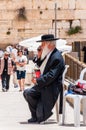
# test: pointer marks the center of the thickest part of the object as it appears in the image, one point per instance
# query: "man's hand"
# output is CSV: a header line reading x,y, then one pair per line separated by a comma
x,y
39,52
34,80
21,64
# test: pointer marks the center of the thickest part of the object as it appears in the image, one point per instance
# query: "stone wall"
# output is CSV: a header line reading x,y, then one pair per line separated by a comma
x,y
40,19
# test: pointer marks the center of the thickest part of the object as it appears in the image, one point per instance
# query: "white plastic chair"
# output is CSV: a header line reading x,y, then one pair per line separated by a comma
x,y
57,102
77,99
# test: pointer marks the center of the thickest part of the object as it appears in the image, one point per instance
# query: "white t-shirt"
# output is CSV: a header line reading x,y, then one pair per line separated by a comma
x,y
21,59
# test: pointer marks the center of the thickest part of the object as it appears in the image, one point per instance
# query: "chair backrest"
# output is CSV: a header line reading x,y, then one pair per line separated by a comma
x,y
62,92
64,73
82,74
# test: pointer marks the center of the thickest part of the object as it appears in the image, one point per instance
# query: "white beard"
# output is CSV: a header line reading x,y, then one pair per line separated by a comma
x,y
44,52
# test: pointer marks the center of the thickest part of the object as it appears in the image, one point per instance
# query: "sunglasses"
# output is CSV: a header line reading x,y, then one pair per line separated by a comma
x,y
39,49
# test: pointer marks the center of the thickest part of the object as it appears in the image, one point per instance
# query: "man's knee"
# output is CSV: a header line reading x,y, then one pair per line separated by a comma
x,y
26,93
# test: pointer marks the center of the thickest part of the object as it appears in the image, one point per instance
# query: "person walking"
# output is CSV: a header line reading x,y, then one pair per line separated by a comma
x,y
21,62
42,97
6,69
13,55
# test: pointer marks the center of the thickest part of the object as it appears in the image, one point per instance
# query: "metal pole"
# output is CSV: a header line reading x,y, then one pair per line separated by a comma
x,y
55,19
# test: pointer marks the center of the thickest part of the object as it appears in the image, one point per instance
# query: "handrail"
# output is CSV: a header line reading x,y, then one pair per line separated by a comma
x,y
75,67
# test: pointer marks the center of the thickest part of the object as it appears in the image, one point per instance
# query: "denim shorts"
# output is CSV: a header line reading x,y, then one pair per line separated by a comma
x,y
21,74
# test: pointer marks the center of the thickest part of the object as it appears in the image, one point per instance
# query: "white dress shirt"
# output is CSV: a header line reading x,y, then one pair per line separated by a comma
x,y
42,67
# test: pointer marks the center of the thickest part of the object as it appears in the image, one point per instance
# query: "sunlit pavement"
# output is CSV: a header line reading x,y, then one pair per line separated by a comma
x,y
14,114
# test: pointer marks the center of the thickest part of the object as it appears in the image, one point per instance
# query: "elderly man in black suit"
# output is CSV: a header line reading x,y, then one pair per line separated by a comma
x,y
42,96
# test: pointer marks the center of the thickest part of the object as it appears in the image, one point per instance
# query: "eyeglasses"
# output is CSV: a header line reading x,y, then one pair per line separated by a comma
x,y
19,52
38,49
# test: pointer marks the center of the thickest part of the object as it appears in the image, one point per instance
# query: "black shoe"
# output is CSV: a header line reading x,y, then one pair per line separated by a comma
x,y
32,120
7,90
46,117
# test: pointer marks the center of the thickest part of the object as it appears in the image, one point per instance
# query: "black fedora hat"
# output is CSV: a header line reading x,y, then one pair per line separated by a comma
x,y
47,37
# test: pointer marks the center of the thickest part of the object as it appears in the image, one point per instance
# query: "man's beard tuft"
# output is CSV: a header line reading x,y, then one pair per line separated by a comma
x,y
45,52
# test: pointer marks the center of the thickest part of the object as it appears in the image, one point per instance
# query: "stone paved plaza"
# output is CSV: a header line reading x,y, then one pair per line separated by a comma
x,y
14,114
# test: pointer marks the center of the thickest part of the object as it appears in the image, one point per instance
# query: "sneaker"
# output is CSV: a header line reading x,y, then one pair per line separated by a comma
x,y
20,90
4,89
15,86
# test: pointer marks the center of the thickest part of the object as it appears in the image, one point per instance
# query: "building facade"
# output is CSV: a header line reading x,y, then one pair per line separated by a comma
x,y
22,19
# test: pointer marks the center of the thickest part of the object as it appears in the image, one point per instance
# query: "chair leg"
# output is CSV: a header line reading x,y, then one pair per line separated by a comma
x,y
76,111
57,111
64,108
84,110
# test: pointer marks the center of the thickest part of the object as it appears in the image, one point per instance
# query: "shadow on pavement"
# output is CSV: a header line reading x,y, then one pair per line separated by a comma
x,y
50,121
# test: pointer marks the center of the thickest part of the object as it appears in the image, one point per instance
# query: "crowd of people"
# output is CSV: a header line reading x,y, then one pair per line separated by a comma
x,y
13,61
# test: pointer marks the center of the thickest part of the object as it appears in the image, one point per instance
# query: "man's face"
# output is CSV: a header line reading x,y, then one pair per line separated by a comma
x,y
44,44
45,49
6,56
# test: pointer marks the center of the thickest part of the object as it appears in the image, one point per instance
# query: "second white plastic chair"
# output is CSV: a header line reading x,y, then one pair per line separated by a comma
x,y
77,100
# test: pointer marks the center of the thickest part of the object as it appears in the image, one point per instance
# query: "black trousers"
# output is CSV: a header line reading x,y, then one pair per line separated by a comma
x,y
5,80
32,96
